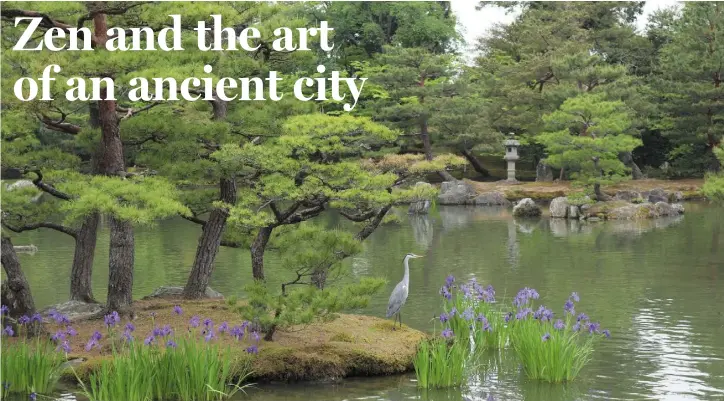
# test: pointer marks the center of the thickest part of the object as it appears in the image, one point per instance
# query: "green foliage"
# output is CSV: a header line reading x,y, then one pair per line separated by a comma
x,y
550,354
689,84
189,371
29,367
587,134
714,184
440,363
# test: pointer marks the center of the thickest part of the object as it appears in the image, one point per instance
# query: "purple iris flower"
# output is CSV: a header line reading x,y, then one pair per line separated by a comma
x,y
237,332
194,322
447,333
64,346
127,336
593,328
177,310
568,307
58,317
111,319
559,325
4,309
575,297
130,327
453,312
92,343
508,316
33,396
97,336
468,314
449,280
546,337
149,340
253,349
223,327
445,293
485,324
70,331
488,294
58,336
524,296
8,331
523,313
36,318
582,317
209,335
444,317
208,323
24,319
170,344
255,336
577,326
607,333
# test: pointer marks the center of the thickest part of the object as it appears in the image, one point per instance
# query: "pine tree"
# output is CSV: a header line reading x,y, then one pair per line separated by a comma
x,y
587,134
690,91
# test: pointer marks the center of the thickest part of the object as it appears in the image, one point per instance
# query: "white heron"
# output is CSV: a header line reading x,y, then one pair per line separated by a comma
x,y
399,294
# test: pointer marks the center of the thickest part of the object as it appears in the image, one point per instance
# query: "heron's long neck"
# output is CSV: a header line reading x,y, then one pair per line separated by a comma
x,y
406,277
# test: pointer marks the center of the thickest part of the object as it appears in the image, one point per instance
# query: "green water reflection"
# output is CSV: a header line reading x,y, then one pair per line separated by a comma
x,y
657,285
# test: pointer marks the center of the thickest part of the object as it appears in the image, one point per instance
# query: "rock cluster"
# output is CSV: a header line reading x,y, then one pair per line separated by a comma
x,y
627,205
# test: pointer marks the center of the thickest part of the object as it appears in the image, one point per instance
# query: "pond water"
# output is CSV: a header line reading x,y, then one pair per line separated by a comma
x,y
657,285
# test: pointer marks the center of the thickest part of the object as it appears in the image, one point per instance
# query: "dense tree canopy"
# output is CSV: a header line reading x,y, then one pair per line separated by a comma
x,y
584,90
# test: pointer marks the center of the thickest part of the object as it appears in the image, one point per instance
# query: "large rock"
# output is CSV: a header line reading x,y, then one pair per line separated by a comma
x,y
632,212
526,208
663,209
455,193
75,310
20,184
420,205
655,195
628,196
677,196
176,292
494,198
573,212
559,207
543,172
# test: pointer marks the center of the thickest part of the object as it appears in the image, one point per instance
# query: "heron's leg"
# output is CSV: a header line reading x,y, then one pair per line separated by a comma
x,y
399,314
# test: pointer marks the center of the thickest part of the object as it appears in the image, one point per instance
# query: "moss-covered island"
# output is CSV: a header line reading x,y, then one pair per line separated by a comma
x,y
350,345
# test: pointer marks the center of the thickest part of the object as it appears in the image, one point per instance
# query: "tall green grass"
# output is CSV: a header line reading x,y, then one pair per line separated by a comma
x,y
439,363
191,371
29,367
549,354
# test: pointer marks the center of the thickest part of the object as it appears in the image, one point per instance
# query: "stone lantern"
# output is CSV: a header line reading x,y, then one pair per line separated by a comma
x,y
511,155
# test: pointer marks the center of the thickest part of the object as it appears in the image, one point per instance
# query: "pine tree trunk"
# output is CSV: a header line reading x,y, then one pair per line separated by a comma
x,y
257,252
82,270
427,147
475,163
110,162
120,267
22,298
209,243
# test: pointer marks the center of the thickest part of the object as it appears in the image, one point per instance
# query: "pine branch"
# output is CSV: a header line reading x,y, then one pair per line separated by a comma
x,y
53,226
38,182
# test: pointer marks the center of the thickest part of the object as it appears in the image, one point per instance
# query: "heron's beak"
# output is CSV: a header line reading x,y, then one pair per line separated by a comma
x,y
416,256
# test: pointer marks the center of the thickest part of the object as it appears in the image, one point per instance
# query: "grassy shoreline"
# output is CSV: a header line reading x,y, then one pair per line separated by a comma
x,y
546,191
349,346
